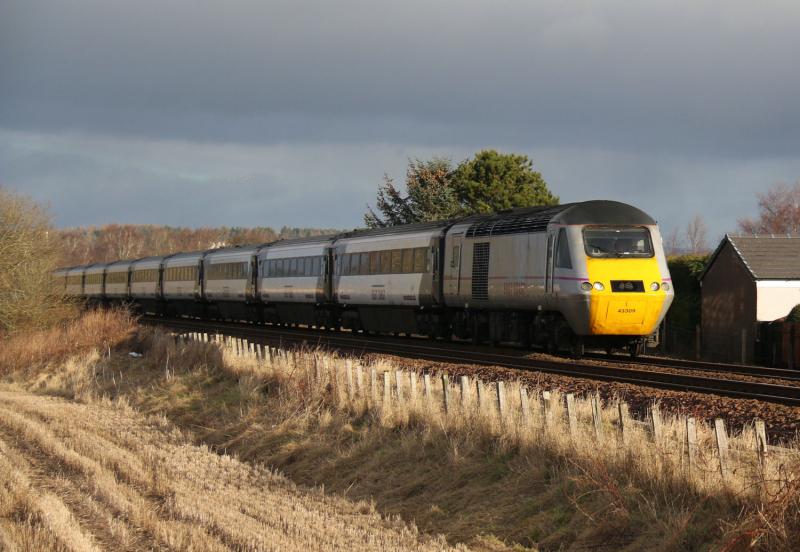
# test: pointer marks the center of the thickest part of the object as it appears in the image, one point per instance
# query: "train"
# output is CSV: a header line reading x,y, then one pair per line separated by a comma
x,y
564,278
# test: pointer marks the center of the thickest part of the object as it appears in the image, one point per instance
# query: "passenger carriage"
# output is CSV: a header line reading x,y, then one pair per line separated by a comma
x,y
145,284
294,285
182,285
94,283
229,277
117,280
387,280
74,285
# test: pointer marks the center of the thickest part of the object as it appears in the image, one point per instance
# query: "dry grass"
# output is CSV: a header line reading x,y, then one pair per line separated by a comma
x,y
490,481
93,333
630,488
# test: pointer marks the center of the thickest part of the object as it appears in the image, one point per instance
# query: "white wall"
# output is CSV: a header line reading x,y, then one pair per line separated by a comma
x,y
775,298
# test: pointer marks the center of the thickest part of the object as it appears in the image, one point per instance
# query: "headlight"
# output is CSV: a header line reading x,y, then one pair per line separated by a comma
x,y
586,286
654,286
665,286
599,286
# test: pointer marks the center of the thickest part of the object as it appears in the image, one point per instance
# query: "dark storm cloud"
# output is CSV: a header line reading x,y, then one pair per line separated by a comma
x,y
288,112
682,76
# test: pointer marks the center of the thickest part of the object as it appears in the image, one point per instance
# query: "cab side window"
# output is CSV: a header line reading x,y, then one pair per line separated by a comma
x,y
563,259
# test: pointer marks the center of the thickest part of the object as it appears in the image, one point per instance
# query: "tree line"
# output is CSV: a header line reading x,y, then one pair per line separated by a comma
x,y
85,245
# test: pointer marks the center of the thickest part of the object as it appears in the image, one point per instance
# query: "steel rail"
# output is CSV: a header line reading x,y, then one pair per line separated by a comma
x,y
462,354
703,366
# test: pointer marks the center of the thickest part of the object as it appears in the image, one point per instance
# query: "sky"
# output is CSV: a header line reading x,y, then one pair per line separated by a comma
x,y
272,113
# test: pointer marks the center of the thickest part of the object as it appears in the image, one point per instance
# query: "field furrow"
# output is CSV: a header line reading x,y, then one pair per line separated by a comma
x,y
92,477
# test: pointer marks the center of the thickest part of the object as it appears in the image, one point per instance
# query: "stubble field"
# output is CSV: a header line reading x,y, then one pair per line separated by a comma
x,y
102,477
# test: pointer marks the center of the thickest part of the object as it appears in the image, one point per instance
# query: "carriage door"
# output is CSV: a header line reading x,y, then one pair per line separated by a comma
x,y
548,280
452,264
251,289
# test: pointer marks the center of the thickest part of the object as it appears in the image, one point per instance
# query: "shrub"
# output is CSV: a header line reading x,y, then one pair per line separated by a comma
x,y
28,255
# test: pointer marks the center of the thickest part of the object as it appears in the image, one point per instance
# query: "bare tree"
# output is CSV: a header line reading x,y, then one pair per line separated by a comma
x,y
779,212
673,243
28,255
696,235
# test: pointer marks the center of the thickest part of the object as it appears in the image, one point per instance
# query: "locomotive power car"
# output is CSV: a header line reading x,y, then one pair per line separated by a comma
x,y
561,277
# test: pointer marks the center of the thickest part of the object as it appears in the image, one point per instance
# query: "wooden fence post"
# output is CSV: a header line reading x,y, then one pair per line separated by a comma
x,y
373,384
387,389
480,392
335,380
359,381
655,423
571,416
412,385
426,384
761,443
596,416
398,377
525,404
446,393
316,368
622,408
548,408
501,398
691,442
722,447
464,391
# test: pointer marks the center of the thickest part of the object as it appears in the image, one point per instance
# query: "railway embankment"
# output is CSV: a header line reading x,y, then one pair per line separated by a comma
x,y
492,466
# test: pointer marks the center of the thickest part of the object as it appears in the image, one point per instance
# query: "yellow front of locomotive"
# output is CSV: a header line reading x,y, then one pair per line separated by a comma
x,y
628,285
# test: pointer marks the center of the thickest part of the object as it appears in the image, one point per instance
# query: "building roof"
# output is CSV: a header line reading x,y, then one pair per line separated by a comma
x,y
766,257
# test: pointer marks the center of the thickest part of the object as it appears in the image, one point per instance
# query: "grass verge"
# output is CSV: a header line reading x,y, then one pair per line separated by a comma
x,y
489,481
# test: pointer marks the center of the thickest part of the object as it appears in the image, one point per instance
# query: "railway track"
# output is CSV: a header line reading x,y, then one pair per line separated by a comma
x,y
704,366
466,354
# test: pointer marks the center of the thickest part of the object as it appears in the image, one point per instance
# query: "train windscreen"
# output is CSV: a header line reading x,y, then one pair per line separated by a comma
x,y
622,242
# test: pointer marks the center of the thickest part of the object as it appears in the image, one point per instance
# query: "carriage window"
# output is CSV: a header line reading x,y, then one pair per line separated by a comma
x,y
421,259
563,259
408,261
386,262
374,262
355,262
364,264
397,261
